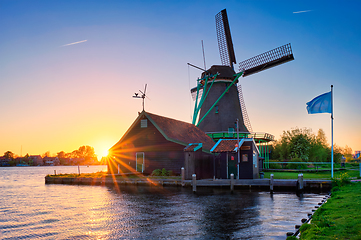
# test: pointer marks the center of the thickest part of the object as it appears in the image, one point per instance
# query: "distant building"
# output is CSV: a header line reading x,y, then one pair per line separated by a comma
x,y
51,161
37,160
357,155
4,161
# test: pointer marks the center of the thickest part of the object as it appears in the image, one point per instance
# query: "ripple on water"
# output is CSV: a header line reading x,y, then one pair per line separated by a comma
x,y
32,210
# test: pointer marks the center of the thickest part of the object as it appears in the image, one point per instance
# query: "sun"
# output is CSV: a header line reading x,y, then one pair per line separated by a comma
x,y
101,148
102,153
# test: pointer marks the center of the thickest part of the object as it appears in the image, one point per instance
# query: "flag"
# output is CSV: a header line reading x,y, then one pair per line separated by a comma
x,y
320,104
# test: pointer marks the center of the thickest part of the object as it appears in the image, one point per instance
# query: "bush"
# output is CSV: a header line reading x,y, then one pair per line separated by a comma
x,y
296,165
342,181
275,166
156,172
163,172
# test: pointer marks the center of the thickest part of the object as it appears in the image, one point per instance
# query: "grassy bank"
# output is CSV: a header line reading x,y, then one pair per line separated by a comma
x,y
103,174
312,175
338,218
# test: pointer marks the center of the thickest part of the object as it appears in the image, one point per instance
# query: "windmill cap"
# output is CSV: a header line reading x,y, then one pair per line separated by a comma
x,y
225,72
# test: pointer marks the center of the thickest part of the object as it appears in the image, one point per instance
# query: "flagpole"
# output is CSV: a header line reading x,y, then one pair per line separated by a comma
x,y
331,131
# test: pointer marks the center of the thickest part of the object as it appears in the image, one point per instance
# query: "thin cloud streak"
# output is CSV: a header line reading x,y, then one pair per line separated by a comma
x,y
303,11
74,43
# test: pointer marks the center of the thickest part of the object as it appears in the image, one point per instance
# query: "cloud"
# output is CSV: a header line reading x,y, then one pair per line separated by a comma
x,y
74,43
303,11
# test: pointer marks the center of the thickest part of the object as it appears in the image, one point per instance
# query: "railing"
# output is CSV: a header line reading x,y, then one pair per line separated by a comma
x,y
219,135
262,135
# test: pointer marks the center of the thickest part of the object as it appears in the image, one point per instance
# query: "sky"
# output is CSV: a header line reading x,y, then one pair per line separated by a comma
x,y
69,69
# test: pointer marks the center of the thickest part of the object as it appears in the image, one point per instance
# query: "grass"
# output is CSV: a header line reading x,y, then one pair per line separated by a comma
x,y
311,175
104,174
339,217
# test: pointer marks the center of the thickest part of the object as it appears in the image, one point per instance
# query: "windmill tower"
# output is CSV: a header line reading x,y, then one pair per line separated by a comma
x,y
218,100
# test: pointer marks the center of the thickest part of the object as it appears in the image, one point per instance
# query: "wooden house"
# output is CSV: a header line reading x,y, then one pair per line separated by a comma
x,y
157,142
226,158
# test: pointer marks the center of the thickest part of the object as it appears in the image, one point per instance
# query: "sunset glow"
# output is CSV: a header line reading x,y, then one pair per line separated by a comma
x,y
69,83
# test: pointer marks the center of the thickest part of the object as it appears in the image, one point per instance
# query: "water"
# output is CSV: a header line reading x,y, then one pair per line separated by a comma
x,y
29,209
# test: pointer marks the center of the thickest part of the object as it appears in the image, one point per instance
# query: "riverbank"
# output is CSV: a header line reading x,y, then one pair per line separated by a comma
x,y
339,217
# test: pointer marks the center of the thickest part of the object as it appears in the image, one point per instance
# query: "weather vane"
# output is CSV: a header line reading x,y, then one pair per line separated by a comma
x,y
136,95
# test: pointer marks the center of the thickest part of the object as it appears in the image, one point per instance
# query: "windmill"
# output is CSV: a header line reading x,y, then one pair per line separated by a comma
x,y
218,100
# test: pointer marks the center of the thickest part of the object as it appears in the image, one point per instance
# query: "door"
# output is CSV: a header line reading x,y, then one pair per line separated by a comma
x,y
232,165
139,161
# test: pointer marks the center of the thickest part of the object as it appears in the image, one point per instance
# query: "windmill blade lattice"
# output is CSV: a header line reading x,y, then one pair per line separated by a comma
x,y
224,38
246,120
267,60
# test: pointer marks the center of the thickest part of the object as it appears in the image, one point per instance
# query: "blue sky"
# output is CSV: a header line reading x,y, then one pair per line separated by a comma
x,y
55,97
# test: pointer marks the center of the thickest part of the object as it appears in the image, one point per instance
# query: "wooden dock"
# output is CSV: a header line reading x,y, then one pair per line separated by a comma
x,y
264,184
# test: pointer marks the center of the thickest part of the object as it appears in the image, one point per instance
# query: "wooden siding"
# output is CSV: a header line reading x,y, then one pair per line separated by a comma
x,y
158,152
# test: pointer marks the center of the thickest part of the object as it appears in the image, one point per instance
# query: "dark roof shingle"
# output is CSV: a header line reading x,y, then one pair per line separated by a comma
x,y
181,132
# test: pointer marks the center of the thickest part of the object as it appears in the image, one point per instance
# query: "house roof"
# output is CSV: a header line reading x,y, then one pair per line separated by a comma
x,y
193,147
175,131
230,145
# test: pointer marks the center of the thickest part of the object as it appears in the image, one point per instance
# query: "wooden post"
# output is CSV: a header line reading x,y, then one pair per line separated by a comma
x,y
300,182
232,182
54,172
183,176
78,169
194,182
271,183
118,169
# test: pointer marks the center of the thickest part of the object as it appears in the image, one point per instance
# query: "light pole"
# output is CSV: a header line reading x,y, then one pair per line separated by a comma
x,y
238,153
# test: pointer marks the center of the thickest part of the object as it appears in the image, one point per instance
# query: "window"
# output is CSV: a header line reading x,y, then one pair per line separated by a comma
x,y
143,123
255,158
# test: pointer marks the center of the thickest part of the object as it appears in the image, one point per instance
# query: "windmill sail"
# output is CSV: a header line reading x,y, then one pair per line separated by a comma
x,y
267,60
224,39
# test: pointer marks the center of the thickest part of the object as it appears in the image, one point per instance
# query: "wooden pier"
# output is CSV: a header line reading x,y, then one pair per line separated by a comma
x,y
263,184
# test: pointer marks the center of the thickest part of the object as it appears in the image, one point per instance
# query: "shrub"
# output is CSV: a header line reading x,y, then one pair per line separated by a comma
x,y
294,165
156,172
342,181
275,166
163,172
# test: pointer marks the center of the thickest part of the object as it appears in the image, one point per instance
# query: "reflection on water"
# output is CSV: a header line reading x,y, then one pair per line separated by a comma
x,y
29,209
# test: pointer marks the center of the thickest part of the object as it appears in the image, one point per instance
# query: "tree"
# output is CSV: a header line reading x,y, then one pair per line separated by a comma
x,y
86,152
46,154
321,138
337,154
347,153
61,155
302,143
295,143
9,155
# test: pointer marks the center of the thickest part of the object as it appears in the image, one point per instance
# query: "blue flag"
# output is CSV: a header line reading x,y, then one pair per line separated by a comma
x,y
320,104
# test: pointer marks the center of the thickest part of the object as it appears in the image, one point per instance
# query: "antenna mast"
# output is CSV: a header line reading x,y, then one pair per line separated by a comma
x,y
204,56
